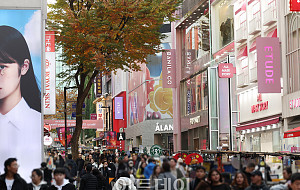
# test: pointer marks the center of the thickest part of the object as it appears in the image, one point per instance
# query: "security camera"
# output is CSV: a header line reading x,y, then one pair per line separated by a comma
x,y
105,95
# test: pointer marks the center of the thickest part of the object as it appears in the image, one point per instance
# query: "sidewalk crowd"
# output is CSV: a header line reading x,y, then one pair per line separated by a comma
x,y
108,171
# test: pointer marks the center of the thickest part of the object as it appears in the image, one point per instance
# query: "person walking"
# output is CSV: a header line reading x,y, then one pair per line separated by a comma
x,y
79,163
149,168
71,163
200,176
175,171
37,181
60,181
216,181
154,176
166,174
100,179
11,180
248,170
106,172
257,182
88,181
239,182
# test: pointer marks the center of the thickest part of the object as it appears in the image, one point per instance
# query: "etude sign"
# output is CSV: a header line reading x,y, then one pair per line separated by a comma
x,y
268,65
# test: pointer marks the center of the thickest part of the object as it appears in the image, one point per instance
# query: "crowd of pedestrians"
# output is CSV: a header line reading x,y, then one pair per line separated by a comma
x,y
107,171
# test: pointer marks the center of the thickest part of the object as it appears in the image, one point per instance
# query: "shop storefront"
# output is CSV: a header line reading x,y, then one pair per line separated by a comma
x,y
259,121
150,132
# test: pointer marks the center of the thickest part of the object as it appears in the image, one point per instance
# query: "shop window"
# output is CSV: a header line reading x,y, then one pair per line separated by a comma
x,y
222,24
293,52
194,93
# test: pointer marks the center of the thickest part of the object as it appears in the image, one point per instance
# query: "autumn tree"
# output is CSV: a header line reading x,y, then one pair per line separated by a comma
x,y
105,35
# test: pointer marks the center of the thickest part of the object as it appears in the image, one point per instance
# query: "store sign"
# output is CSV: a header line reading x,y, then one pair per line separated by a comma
x,y
156,151
195,120
99,85
295,103
93,116
121,136
226,70
86,124
161,128
99,111
261,106
119,108
268,65
47,140
49,97
294,5
169,68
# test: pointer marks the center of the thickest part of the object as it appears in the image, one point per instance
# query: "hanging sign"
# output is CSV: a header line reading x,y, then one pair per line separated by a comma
x,y
294,5
226,70
169,68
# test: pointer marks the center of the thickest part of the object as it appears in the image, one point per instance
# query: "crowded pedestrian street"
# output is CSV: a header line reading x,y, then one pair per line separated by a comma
x,y
149,94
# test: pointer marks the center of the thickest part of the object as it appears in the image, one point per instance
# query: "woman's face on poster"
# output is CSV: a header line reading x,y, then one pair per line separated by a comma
x,y
10,76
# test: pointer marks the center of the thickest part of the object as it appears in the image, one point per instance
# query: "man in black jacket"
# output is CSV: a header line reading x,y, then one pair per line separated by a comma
x,y
47,173
72,163
80,163
257,182
88,181
60,181
248,170
11,179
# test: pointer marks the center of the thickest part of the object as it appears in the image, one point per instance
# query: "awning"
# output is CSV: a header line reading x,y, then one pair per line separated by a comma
x,y
272,34
292,133
242,54
259,123
241,9
253,46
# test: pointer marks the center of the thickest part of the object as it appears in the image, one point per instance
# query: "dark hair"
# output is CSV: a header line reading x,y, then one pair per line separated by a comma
x,y
210,174
125,174
173,159
154,169
14,49
199,167
39,173
59,171
288,170
295,177
166,167
151,160
8,162
70,156
43,164
251,165
245,182
89,168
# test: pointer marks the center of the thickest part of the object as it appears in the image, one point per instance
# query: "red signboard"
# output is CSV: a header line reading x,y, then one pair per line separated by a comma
x,y
226,70
294,5
93,116
50,41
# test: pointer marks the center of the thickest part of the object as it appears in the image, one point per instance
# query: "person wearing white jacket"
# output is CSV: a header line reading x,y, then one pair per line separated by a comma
x,y
124,182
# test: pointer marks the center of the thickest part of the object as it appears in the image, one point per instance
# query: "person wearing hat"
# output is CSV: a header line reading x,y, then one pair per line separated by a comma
x,y
181,166
257,182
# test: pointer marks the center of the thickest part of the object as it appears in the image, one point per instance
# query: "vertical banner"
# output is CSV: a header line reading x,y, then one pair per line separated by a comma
x,y
169,68
61,134
268,65
20,93
99,85
111,140
119,108
49,98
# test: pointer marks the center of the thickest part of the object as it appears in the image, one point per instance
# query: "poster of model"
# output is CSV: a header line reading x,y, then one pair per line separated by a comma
x,y
20,89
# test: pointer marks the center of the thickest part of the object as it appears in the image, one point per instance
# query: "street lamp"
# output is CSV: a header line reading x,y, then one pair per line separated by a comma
x,y
65,112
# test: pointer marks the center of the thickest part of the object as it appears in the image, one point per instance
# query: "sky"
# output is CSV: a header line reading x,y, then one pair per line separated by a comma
x,y
28,23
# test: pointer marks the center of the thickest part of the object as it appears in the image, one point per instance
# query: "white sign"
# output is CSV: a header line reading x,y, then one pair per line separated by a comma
x,y
161,128
195,120
49,97
47,140
99,110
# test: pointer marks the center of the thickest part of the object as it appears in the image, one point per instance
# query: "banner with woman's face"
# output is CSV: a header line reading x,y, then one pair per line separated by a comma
x,y
20,89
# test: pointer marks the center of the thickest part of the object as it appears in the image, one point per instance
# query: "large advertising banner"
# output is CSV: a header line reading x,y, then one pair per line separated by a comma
x,y
20,93
49,98
147,99
268,65
169,68
119,108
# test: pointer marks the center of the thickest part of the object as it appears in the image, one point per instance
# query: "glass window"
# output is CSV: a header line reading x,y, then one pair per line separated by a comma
x,y
195,94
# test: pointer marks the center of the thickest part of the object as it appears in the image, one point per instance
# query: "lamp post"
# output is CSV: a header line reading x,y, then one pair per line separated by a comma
x,y
65,112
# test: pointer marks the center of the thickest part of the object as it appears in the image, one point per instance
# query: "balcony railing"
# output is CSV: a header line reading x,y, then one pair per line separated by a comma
x,y
270,16
255,26
243,80
253,74
241,34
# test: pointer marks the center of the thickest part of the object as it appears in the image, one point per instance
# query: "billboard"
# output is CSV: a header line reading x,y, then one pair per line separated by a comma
x,y
119,108
20,93
49,98
268,65
169,68
147,98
